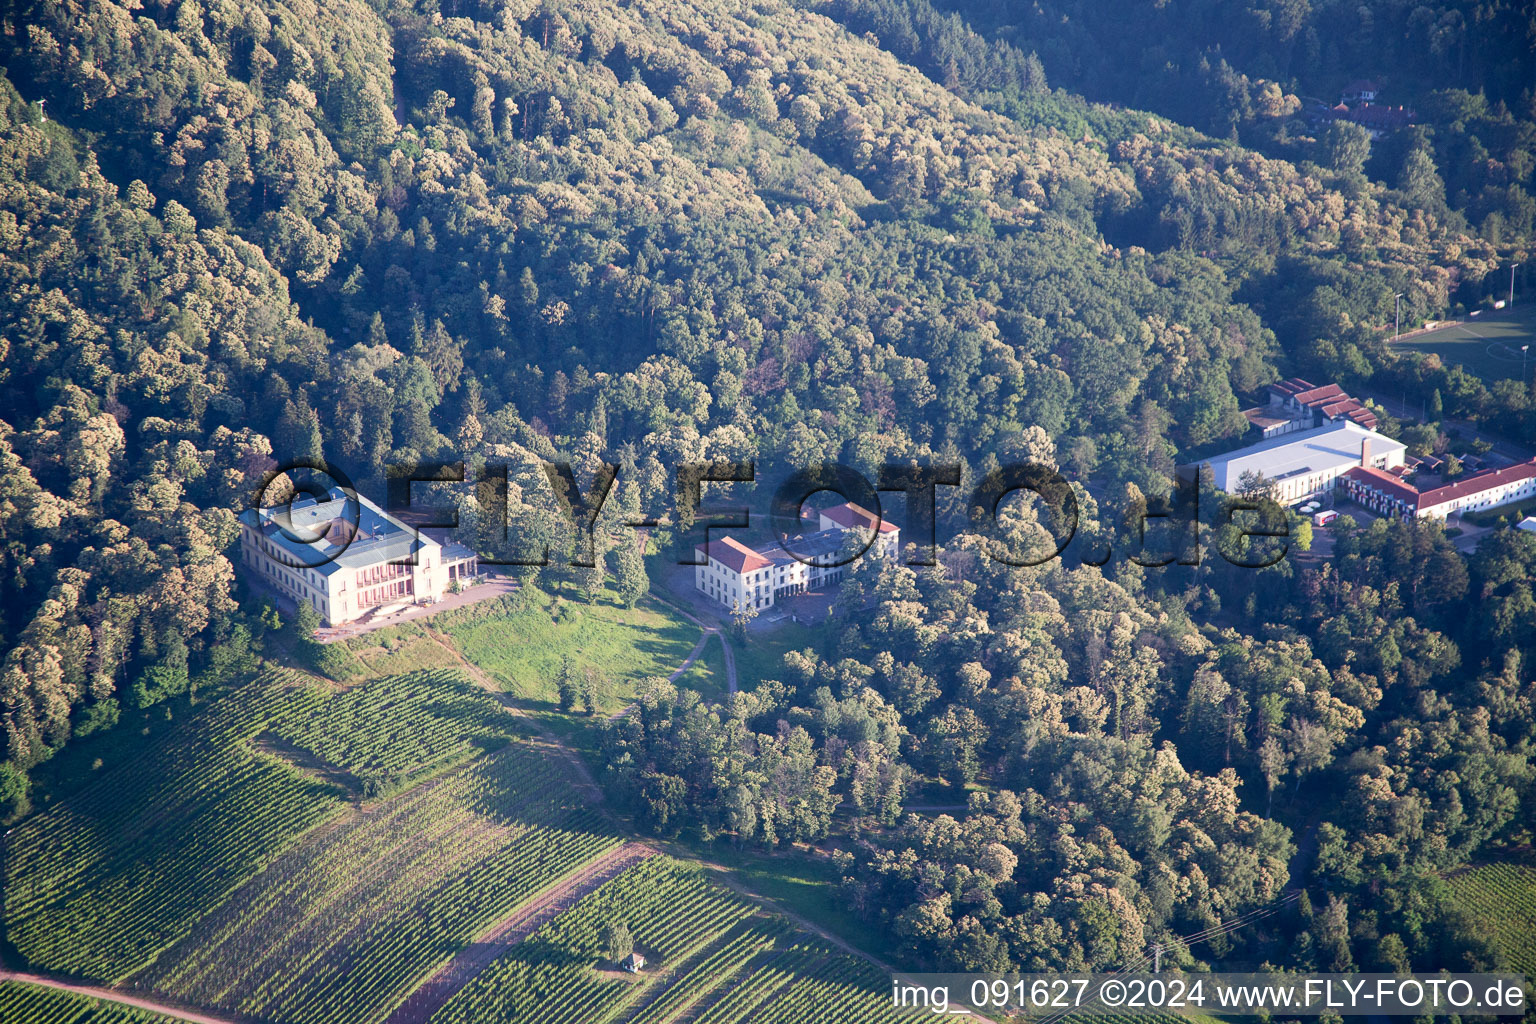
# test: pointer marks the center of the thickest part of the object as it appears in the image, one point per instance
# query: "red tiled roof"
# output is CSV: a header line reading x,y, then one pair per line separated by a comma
x,y
1486,480
1376,115
1364,417
1328,392
735,555
848,515
1419,500
1385,482
1293,386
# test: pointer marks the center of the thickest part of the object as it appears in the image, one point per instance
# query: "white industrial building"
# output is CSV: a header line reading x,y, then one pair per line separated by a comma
x,y
348,558
1307,463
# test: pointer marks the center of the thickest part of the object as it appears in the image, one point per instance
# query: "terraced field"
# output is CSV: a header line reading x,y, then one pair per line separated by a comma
x,y
711,956
101,884
1504,897
21,1003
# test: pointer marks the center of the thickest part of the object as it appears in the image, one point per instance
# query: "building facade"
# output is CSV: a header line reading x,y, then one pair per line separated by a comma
x,y
1387,495
1296,404
348,559
1308,463
738,576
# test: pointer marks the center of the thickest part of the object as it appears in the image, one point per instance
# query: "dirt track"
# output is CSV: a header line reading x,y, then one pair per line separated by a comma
x,y
420,1005
114,996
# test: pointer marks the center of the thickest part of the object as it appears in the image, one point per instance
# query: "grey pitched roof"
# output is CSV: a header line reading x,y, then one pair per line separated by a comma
x,y
338,534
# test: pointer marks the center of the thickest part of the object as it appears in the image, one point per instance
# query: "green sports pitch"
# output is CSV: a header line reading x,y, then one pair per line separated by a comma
x,y
1487,345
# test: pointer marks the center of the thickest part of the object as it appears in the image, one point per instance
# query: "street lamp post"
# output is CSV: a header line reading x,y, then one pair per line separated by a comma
x,y
1525,355
1397,326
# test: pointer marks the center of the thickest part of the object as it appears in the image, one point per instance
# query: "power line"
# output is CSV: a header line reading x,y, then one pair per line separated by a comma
x,y
1242,920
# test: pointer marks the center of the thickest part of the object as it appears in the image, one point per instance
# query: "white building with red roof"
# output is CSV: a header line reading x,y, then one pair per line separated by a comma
x,y
1298,404
1388,495
738,576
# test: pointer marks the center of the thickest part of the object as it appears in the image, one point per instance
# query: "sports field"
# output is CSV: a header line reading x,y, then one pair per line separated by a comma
x,y
1488,346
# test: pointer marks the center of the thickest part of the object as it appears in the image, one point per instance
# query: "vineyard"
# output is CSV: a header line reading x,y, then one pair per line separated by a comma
x,y
801,987
710,957
393,731
1503,898
33,1004
342,928
224,876
101,884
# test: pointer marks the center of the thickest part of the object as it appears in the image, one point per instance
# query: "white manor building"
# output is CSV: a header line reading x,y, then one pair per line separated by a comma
x,y
739,577
362,560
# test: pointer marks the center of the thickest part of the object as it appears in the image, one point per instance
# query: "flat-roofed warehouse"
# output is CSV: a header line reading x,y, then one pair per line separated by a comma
x,y
1307,463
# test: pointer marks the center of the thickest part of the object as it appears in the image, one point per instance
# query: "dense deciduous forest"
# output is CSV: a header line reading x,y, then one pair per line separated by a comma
x,y
867,230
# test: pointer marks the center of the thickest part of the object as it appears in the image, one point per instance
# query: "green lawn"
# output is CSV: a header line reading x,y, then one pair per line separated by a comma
x,y
524,642
761,655
397,650
808,885
1471,343
707,674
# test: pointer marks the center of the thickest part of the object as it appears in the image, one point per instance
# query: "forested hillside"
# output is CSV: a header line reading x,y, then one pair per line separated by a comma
x,y
236,235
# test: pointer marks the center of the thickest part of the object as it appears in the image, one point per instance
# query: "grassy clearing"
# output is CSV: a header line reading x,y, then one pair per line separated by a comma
x,y
707,674
523,643
761,655
397,650
807,885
